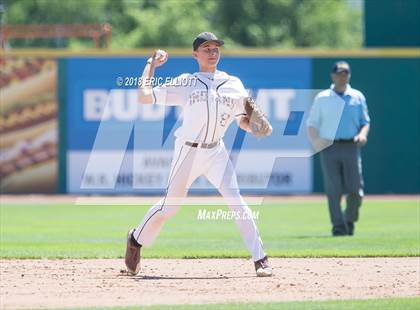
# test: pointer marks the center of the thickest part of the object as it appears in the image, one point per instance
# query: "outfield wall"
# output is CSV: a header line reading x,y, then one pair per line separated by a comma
x,y
391,159
104,123
279,79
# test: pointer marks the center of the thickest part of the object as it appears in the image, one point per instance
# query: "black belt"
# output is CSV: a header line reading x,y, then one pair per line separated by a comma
x,y
344,141
202,145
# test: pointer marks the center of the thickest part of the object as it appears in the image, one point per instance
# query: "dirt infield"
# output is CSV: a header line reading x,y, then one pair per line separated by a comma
x,y
99,283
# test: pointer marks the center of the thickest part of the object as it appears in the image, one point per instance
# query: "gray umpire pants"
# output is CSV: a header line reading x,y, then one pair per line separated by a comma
x,y
342,170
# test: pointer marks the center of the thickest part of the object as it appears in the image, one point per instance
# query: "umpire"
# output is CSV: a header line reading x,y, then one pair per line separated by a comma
x,y
339,119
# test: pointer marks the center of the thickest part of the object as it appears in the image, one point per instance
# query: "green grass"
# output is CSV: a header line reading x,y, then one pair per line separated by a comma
x,y
366,304
386,228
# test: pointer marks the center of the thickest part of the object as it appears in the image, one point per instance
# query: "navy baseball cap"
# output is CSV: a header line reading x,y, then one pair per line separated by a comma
x,y
206,37
341,66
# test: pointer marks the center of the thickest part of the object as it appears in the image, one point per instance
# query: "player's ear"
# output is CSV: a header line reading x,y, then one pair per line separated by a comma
x,y
194,54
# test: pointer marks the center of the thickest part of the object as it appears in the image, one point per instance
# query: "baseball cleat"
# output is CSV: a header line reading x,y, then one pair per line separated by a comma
x,y
263,268
132,254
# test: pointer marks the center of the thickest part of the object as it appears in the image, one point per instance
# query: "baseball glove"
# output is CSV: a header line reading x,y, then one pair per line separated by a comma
x,y
258,122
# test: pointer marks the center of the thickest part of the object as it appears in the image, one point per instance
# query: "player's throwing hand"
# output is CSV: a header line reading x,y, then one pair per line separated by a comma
x,y
159,57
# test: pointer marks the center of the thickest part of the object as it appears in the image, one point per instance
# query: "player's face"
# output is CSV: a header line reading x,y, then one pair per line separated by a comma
x,y
341,78
207,56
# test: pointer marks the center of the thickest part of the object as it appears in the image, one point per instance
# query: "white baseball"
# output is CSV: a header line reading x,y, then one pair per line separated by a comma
x,y
160,54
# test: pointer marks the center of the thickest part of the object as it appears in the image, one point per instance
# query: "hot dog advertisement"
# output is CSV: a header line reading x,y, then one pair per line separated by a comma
x,y
28,125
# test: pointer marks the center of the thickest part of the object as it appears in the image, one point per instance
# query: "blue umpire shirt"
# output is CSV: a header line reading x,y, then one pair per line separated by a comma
x,y
338,116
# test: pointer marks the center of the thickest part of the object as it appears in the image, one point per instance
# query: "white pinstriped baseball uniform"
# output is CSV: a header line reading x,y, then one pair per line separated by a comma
x,y
210,102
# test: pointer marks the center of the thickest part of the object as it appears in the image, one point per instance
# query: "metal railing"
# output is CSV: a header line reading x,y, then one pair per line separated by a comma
x,y
94,31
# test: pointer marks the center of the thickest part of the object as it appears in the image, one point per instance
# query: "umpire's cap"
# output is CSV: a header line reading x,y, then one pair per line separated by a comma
x,y
341,66
205,37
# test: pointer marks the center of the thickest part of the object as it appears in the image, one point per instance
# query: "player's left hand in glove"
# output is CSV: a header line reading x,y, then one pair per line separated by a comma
x,y
258,122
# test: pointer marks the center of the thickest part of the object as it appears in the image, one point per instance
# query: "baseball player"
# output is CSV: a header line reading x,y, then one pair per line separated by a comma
x,y
211,101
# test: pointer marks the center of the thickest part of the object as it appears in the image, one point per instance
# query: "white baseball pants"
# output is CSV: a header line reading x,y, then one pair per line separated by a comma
x,y
188,164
